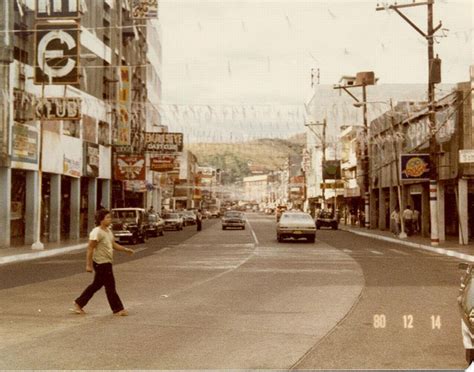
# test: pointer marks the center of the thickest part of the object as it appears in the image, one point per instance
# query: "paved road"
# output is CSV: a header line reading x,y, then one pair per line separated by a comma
x,y
238,299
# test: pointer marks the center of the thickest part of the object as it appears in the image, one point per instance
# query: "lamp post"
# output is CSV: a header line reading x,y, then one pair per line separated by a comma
x,y
362,80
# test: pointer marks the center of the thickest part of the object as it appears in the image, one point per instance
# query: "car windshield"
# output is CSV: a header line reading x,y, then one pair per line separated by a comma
x,y
296,217
232,214
325,215
170,215
123,215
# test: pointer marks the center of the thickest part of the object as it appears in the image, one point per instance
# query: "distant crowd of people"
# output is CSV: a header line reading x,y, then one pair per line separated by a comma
x,y
410,219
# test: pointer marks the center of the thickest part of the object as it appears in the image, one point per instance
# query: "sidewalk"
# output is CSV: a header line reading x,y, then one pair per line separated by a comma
x,y
448,248
25,253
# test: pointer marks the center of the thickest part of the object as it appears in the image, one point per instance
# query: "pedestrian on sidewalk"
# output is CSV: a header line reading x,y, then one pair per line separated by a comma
x,y
99,258
416,220
199,220
395,221
408,220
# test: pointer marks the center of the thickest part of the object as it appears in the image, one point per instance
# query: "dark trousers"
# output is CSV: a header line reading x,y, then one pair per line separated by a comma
x,y
104,276
199,225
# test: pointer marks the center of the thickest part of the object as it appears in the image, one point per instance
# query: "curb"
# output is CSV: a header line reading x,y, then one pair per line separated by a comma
x,y
442,251
41,254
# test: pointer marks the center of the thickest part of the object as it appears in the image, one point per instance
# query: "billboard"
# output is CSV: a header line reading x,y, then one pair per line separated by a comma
x,y
57,53
129,167
164,142
163,163
415,167
144,9
25,140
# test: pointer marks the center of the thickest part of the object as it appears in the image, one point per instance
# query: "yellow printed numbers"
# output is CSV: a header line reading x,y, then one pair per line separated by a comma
x,y
408,321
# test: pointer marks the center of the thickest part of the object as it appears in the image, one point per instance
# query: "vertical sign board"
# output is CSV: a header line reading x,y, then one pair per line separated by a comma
x,y
144,9
91,159
124,107
57,54
57,9
25,146
415,167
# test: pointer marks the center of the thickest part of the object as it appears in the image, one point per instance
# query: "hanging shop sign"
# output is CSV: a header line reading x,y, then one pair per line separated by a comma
x,y
58,108
415,167
466,156
25,146
144,9
122,130
57,9
164,142
135,185
129,167
72,156
332,170
57,54
161,163
91,159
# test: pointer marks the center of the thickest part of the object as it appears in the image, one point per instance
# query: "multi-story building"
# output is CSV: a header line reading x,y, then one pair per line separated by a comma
x,y
77,81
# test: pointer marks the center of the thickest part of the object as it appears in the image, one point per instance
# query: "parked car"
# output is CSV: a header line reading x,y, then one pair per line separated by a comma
x,y
296,225
215,213
189,218
156,224
233,219
326,219
129,225
173,221
466,307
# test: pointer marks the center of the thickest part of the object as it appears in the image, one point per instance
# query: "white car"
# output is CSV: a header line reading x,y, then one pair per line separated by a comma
x,y
466,307
296,225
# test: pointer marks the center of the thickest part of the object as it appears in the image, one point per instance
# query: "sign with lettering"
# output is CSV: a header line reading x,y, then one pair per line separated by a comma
x,y
56,54
164,142
122,135
25,146
415,167
91,159
466,156
160,163
144,9
60,108
50,9
129,167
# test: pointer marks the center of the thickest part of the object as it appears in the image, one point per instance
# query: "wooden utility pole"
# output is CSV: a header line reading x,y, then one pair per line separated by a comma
x,y
322,139
434,77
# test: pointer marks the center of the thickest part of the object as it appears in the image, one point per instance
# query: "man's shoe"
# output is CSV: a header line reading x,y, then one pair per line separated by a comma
x,y
77,309
123,312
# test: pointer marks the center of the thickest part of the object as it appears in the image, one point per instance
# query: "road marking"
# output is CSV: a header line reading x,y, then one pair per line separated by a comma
x,y
347,250
399,252
377,252
139,249
253,233
41,254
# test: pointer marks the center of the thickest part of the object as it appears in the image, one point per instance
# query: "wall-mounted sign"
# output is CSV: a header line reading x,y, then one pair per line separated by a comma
x,y
58,108
59,9
415,167
466,156
24,146
129,167
144,9
91,159
164,142
135,185
122,135
56,54
163,163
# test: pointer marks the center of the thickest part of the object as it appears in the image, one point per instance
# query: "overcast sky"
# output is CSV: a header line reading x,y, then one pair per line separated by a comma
x,y
261,52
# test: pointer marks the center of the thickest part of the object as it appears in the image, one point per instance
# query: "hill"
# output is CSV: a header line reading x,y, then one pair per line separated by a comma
x,y
239,160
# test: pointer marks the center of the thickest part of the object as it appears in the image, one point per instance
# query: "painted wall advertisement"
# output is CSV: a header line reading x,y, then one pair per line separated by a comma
x,y
124,109
25,140
415,167
129,167
164,142
91,159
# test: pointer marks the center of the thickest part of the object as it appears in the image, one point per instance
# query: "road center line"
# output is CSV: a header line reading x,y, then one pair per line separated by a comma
x,y
253,233
377,252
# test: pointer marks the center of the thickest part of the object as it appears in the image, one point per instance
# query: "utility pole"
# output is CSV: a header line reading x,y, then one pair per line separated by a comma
x,y
323,146
434,77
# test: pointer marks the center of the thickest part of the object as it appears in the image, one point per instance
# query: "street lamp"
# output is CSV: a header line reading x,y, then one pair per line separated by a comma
x,y
361,80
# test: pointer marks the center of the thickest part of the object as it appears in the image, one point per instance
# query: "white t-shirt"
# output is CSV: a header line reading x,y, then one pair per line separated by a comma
x,y
103,253
407,214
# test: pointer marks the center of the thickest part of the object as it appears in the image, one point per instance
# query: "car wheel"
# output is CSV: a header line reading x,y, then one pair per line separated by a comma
x,y
311,239
243,228
134,240
161,232
279,239
318,227
224,228
335,227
